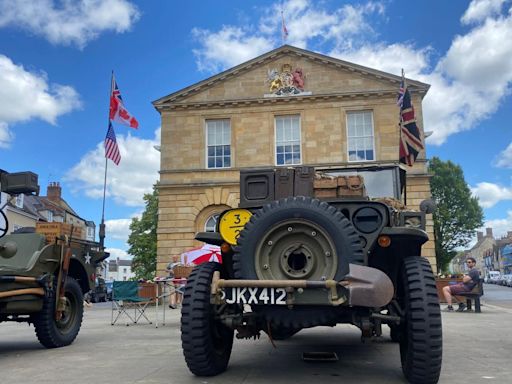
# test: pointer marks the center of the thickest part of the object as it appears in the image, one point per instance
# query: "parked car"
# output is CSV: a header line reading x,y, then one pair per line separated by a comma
x,y
494,277
507,280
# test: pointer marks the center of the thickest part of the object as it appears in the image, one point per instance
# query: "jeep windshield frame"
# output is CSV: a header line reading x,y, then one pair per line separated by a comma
x,y
380,181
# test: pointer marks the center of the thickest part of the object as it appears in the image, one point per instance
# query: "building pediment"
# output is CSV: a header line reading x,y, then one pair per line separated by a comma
x,y
287,74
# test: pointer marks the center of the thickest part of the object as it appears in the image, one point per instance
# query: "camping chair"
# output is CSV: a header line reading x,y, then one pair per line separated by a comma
x,y
125,297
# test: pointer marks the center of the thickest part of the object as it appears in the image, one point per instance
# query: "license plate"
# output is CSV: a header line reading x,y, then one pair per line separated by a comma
x,y
245,295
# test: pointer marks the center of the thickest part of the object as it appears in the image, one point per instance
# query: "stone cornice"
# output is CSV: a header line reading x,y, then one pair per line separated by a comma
x,y
239,103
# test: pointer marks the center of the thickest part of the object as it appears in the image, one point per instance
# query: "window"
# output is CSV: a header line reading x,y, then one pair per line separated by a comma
x,y
288,140
360,136
49,216
218,143
19,200
211,223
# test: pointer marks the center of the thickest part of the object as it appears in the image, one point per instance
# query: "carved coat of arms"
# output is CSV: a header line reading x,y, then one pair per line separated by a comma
x,y
286,82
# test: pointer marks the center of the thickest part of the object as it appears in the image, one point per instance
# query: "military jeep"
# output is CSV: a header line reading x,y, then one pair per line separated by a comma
x,y
43,279
306,249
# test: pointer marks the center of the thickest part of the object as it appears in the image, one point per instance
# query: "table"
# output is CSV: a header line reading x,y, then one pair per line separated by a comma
x,y
165,288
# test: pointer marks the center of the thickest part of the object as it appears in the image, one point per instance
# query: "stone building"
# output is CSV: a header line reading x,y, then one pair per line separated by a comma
x,y
483,252
336,114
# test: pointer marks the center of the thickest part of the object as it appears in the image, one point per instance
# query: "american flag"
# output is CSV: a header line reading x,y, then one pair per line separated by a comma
x,y
284,31
111,148
118,112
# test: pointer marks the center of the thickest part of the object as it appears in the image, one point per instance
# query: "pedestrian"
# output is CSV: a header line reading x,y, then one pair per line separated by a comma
x,y
469,281
178,287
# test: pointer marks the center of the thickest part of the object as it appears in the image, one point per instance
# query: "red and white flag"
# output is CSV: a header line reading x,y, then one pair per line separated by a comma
x,y
118,112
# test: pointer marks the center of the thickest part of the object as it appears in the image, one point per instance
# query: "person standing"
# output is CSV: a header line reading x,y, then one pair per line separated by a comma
x,y
469,281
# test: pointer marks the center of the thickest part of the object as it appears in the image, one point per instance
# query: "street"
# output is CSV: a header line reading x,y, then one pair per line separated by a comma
x,y
498,295
476,349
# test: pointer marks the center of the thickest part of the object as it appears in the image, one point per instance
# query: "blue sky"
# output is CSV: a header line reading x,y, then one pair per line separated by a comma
x,y
56,58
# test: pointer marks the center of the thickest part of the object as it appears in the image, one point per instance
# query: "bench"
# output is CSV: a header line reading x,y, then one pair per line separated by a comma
x,y
475,295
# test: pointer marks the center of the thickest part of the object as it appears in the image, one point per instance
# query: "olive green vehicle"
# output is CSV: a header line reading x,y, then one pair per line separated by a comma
x,y
291,261
43,282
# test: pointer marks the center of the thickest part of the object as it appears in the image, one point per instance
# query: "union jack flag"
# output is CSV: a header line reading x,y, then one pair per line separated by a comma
x,y
111,148
410,138
118,112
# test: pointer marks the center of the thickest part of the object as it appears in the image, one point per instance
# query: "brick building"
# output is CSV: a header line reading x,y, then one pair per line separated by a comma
x,y
336,114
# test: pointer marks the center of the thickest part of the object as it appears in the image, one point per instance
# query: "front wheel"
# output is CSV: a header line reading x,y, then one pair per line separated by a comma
x,y
54,333
420,339
206,342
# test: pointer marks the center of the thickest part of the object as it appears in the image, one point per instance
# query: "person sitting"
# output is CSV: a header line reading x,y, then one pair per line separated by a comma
x,y
469,281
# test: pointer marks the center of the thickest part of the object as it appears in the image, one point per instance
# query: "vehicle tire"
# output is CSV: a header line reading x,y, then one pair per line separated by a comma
x,y
54,333
421,342
296,238
206,342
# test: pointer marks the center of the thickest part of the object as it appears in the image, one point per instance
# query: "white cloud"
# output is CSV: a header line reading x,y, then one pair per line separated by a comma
x,y
228,47
126,183
504,159
6,136
118,253
384,57
490,194
26,95
479,10
232,45
500,227
69,22
118,229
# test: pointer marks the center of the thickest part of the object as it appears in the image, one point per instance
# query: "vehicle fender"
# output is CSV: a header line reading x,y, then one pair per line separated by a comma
x,y
79,272
412,234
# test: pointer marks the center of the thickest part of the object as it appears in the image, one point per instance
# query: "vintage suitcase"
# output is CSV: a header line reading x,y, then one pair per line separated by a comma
x,y
351,186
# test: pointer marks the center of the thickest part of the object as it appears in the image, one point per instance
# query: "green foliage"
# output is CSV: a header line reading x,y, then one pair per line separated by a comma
x,y
458,214
142,239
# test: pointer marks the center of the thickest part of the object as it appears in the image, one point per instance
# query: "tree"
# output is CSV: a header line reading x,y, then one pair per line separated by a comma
x,y
142,239
458,214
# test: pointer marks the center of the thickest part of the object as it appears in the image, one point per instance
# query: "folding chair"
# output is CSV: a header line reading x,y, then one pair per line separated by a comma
x,y
125,297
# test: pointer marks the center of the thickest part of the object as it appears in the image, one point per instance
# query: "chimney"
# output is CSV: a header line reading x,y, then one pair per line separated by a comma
x,y
479,236
53,192
488,232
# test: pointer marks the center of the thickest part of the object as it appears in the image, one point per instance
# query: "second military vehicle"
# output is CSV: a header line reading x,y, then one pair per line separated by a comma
x,y
43,279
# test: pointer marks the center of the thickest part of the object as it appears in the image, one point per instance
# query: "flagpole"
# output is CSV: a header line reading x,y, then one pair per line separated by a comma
x,y
400,137
102,225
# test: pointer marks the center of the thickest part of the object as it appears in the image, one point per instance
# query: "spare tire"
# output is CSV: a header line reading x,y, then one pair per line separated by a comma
x,y
296,238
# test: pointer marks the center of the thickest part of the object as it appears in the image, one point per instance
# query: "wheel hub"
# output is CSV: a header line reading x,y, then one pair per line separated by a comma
x,y
295,249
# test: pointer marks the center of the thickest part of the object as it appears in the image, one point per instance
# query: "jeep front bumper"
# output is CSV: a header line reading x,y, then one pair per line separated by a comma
x,y
363,286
